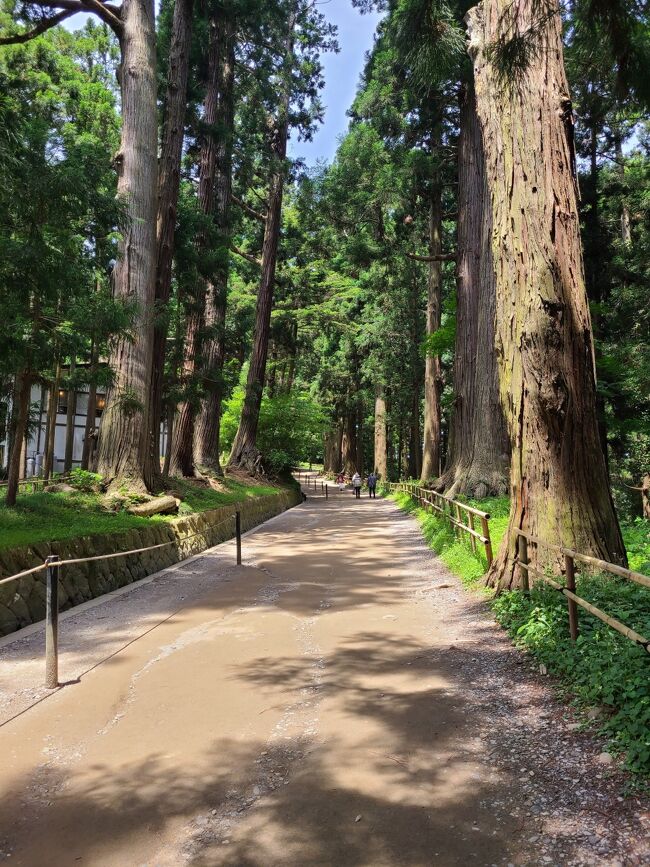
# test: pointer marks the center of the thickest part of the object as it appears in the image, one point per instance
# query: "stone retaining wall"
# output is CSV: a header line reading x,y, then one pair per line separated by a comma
x,y
23,601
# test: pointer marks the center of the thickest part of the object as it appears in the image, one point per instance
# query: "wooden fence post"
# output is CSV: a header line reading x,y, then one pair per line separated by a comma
x,y
488,541
571,585
470,521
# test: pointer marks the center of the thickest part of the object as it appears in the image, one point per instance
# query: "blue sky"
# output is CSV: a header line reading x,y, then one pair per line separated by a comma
x,y
342,72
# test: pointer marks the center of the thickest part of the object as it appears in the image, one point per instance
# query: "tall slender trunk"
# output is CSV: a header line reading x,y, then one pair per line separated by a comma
x,y
360,455
349,443
380,465
124,452
91,413
69,418
477,463
415,459
174,108
559,485
18,429
593,257
244,451
196,440
626,221
432,368
52,406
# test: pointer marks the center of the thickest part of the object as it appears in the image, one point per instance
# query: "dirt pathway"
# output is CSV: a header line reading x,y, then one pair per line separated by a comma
x,y
338,700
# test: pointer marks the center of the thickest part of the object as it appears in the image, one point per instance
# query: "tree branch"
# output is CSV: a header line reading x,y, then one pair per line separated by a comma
x,y
106,11
42,26
248,256
247,208
439,257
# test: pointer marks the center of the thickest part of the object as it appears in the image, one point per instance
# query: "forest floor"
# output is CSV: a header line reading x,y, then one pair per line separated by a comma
x,y
339,699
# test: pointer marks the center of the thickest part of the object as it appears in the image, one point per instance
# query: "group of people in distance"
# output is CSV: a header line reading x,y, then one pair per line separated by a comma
x,y
357,483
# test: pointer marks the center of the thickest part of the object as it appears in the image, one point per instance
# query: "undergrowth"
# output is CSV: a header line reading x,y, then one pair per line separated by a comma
x,y
602,668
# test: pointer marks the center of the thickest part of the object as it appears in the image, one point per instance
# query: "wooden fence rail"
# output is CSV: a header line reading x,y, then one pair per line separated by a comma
x,y
573,600
453,511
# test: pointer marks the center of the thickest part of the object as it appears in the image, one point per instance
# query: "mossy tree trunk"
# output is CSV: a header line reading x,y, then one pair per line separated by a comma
x,y
559,486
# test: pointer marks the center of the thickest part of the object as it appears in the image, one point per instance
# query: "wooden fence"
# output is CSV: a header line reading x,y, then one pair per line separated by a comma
x,y
453,511
33,484
569,589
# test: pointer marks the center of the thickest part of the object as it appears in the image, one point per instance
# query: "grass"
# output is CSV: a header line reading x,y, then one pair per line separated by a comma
x,y
602,668
454,552
46,517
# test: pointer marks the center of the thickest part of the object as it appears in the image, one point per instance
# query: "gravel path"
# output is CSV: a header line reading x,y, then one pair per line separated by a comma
x,y
338,700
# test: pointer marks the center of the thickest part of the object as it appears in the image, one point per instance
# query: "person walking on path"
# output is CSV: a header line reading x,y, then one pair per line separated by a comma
x,y
372,485
356,484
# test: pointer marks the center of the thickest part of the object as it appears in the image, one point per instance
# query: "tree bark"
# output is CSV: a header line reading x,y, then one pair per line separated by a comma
x,y
559,486
244,452
381,440
168,187
91,412
477,463
207,427
52,406
19,418
432,368
123,448
349,444
69,420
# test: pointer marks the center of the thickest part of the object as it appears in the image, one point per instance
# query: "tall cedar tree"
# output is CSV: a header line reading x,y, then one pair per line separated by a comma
x,y
559,485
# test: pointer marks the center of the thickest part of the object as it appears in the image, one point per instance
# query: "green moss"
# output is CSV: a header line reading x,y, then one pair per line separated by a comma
x,y
46,517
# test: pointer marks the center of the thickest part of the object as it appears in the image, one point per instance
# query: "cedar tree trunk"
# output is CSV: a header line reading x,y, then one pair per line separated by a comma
x,y
124,452
216,160
168,186
89,432
19,417
381,439
244,452
559,485
52,406
432,368
477,465
69,420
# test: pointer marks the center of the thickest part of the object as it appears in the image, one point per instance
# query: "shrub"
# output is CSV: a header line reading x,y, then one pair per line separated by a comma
x,y
85,481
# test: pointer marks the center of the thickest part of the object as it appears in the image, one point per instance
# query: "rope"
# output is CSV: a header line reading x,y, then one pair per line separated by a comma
x,y
22,574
